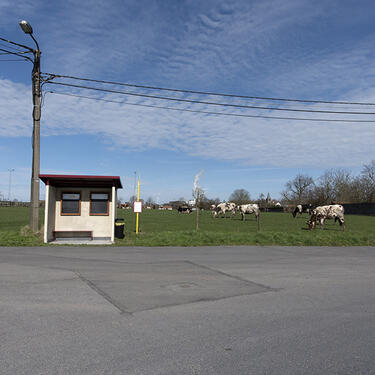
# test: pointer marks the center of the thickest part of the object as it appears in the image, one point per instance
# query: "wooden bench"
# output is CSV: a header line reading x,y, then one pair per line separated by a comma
x,y
72,234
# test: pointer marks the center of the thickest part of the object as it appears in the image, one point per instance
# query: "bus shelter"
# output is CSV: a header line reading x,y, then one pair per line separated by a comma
x,y
80,208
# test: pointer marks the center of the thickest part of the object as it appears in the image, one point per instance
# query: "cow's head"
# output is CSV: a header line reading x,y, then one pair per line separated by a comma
x,y
312,222
340,220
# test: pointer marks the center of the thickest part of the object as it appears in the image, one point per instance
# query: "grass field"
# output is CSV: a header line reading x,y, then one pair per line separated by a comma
x,y
169,228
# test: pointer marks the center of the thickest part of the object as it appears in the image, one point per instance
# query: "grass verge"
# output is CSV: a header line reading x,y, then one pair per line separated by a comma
x,y
207,238
168,228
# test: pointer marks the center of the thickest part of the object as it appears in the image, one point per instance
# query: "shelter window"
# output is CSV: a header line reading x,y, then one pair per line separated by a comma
x,y
71,204
99,204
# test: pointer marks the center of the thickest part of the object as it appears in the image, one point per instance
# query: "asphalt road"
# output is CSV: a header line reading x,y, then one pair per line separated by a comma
x,y
211,310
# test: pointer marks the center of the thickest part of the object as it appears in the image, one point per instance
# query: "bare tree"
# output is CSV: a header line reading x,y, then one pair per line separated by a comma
x,y
342,182
369,171
335,185
368,181
240,196
206,203
133,199
261,200
359,190
150,201
299,189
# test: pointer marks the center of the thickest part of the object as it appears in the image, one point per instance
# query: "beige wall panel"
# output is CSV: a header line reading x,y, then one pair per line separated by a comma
x,y
101,226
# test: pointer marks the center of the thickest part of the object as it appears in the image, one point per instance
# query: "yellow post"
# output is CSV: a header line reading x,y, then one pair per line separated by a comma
x,y
137,222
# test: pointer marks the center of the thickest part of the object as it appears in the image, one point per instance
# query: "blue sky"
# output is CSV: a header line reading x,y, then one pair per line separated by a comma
x,y
271,48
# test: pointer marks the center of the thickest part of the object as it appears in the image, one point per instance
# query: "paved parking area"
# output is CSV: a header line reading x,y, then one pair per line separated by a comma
x,y
210,310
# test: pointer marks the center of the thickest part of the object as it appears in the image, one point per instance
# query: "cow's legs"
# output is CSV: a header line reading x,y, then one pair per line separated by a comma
x,y
321,223
341,222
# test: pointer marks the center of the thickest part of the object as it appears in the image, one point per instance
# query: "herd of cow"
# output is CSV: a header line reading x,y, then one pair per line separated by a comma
x,y
223,208
317,215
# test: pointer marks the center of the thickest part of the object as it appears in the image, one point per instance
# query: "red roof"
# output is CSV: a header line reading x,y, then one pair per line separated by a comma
x,y
81,180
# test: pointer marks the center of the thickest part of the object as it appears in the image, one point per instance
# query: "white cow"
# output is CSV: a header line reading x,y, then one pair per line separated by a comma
x,y
249,209
321,213
223,208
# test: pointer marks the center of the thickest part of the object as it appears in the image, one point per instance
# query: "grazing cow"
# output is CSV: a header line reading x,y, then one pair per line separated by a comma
x,y
307,208
249,209
223,208
321,213
300,208
184,210
297,210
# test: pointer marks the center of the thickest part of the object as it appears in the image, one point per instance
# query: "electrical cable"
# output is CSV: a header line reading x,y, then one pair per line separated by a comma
x,y
209,103
11,47
207,93
17,44
214,113
17,54
20,60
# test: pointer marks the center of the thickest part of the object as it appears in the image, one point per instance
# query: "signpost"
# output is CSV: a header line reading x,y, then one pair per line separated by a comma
x,y
137,208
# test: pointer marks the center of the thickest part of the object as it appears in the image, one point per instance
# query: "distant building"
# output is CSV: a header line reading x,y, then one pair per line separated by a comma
x,y
166,207
176,204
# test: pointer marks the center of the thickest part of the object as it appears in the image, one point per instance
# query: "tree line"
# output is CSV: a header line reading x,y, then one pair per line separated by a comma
x,y
336,185
333,186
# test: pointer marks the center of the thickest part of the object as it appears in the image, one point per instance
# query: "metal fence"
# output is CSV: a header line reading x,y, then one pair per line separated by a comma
x,y
359,208
349,208
14,204
271,209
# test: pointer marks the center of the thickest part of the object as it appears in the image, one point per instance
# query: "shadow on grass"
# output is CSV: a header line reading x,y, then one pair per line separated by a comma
x,y
324,229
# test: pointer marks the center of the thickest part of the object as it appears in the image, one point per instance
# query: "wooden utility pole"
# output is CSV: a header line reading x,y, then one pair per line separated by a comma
x,y
34,193
34,198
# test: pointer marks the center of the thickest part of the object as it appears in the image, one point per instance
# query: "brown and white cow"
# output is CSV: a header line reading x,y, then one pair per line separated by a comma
x,y
321,213
251,208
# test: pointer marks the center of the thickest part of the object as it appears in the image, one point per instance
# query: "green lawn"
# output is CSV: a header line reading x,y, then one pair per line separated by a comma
x,y
13,221
169,228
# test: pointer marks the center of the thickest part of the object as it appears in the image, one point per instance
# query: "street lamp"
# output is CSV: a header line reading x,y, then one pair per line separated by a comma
x,y
34,194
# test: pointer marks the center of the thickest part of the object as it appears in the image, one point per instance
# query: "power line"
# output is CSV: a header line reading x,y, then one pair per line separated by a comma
x,y
207,93
11,47
17,44
213,113
208,103
20,54
20,60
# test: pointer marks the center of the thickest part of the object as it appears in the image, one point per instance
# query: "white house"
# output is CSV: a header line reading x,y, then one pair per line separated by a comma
x,y
80,207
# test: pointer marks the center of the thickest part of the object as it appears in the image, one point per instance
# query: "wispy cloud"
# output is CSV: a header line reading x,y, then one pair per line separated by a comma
x,y
293,48
256,142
